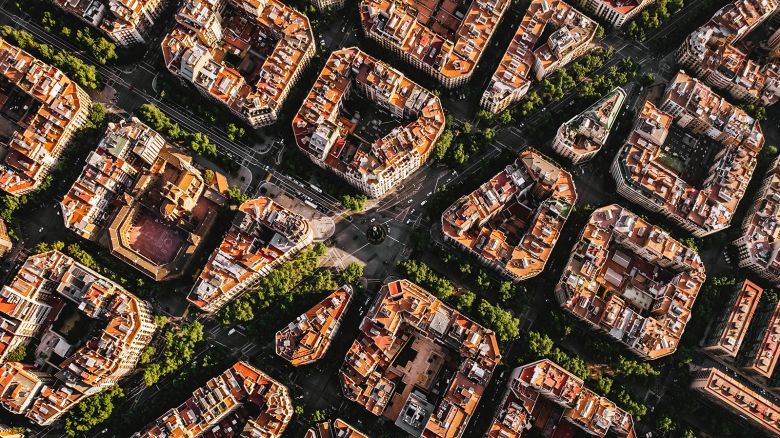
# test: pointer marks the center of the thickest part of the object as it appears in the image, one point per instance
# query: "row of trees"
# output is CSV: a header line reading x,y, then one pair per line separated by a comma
x,y
652,18
82,73
157,120
91,411
501,321
178,345
80,35
277,287
353,201
555,86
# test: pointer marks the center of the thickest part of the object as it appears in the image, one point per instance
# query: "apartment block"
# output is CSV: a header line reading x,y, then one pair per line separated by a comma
x,y
411,343
713,54
728,329
759,244
761,347
631,281
241,401
6,244
545,396
40,109
528,57
324,5
48,296
245,55
125,22
512,222
306,340
725,391
143,199
335,138
583,136
337,428
615,12
443,38
651,167
263,235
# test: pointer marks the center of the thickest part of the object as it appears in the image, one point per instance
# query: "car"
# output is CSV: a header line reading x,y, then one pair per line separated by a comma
x,y
423,203
373,219
411,212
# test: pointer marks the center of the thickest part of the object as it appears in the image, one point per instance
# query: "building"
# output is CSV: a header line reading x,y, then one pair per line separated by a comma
x,y
410,344
337,428
124,21
241,401
512,222
306,340
650,168
728,330
528,55
443,38
725,391
143,199
582,137
711,52
6,244
761,347
45,300
245,55
759,244
263,235
545,395
336,140
40,109
324,5
615,12
628,279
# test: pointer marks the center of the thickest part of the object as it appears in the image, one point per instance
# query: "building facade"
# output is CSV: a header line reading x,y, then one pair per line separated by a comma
x,y
125,22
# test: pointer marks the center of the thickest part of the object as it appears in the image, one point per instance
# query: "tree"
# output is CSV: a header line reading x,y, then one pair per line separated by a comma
x,y
484,115
539,345
489,134
599,32
459,154
147,354
91,411
505,117
466,128
354,202
443,145
633,407
18,354
236,196
505,291
465,300
604,385
666,425
506,326
352,273
629,367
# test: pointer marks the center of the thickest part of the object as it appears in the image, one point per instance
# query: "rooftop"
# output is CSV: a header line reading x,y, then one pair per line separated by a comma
x,y
323,132
411,342
727,332
39,110
144,199
306,340
587,131
97,364
513,221
211,406
533,386
643,162
244,54
760,240
631,280
337,428
573,32
711,49
748,404
263,234
449,36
